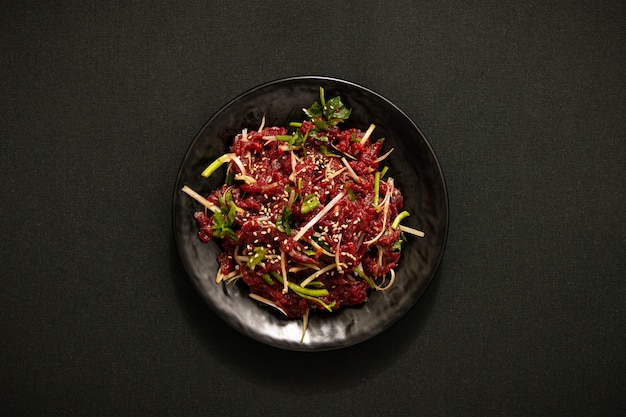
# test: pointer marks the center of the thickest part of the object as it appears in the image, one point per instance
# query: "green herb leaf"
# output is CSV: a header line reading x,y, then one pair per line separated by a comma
x,y
326,113
326,152
221,227
283,221
320,124
224,218
315,111
335,111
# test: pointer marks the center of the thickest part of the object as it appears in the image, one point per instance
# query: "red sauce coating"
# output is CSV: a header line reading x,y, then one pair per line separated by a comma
x,y
287,186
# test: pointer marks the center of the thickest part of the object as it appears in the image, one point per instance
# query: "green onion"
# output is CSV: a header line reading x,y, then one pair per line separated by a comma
x,y
268,279
398,219
229,178
397,245
326,152
228,197
257,257
215,165
310,202
376,187
302,292
328,307
365,277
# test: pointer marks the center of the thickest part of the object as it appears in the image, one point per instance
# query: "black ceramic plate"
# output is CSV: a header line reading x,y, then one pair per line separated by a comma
x,y
413,166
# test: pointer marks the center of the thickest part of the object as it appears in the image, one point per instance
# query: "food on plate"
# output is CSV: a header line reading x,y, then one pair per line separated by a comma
x,y
307,216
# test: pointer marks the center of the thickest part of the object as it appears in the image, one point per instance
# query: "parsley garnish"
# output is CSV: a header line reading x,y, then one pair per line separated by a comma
x,y
224,218
283,221
327,113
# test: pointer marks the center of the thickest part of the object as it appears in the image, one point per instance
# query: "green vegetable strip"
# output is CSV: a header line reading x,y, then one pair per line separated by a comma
x,y
257,257
309,203
365,277
229,178
282,222
399,218
328,307
215,165
376,187
351,194
268,279
326,152
299,290
284,138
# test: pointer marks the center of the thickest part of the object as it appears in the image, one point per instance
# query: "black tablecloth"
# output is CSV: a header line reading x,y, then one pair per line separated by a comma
x,y
524,104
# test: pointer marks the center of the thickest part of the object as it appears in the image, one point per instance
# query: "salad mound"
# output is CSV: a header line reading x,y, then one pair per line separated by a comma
x,y
306,218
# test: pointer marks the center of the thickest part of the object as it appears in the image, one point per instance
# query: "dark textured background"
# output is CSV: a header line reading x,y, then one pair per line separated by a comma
x,y
523,102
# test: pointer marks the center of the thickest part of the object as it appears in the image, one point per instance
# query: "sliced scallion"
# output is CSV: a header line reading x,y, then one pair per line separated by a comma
x,y
309,203
399,218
